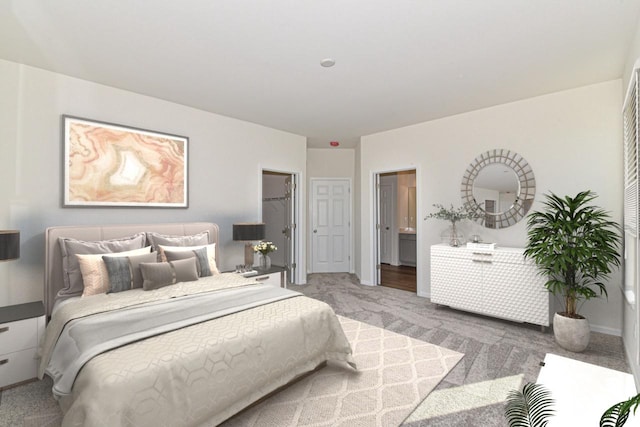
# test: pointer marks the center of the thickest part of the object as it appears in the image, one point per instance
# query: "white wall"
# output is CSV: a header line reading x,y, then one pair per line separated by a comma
x,y
330,163
572,140
226,158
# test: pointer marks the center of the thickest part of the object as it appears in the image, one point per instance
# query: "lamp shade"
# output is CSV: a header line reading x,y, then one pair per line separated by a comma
x,y
9,245
248,231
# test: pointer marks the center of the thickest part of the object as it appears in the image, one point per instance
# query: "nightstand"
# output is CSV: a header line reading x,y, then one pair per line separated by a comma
x,y
21,328
274,276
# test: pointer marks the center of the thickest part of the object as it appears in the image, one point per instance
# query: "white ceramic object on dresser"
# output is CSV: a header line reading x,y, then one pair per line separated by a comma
x,y
19,341
498,283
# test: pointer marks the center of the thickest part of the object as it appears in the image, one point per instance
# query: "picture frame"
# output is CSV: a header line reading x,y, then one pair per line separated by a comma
x,y
113,165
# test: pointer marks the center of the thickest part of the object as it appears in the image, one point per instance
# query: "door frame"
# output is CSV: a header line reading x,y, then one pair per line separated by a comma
x,y
351,227
374,252
298,254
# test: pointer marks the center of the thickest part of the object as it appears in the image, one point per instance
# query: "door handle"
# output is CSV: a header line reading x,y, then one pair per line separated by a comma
x,y
386,228
315,231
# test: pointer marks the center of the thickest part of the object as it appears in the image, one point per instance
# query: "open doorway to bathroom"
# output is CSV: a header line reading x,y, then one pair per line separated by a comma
x,y
396,227
279,215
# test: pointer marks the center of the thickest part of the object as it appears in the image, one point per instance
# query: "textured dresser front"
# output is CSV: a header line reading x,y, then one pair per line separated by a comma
x,y
499,283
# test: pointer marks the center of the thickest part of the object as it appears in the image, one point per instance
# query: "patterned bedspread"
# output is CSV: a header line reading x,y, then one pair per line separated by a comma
x,y
201,374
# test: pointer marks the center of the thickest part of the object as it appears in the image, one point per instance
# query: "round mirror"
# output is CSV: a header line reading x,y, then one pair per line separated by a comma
x,y
498,187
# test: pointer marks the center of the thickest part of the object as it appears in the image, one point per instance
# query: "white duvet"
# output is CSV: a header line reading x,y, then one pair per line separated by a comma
x,y
202,374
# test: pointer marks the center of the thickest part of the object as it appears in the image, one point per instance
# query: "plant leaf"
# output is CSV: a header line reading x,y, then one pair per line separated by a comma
x,y
617,415
530,408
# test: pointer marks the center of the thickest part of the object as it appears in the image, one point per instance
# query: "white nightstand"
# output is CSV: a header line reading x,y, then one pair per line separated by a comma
x,y
21,328
274,276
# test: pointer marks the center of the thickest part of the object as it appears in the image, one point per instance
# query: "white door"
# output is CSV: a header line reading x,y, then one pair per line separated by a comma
x,y
330,226
386,219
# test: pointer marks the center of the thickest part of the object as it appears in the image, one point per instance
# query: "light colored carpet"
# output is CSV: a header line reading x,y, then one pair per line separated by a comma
x,y
394,375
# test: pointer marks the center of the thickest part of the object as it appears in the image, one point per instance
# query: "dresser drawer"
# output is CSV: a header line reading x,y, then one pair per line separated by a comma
x,y
18,335
17,367
272,279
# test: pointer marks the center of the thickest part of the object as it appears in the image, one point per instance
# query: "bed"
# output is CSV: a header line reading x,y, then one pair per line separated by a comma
x,y
235,342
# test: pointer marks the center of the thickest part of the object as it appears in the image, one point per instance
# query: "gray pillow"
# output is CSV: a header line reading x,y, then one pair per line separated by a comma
x,y
157,239
159,274
202,260
136,272
120,275
73,284
124,272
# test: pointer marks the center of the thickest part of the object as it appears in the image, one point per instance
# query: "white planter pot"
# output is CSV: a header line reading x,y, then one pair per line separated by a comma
x,y
571,334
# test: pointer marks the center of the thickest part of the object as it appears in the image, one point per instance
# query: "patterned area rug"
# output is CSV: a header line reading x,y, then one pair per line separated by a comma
x,y
395,373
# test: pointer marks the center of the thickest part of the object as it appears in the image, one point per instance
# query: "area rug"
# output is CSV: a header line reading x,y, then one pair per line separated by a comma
x,y
395,373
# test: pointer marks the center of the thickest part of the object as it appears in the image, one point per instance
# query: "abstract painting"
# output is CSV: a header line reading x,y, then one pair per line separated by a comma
x,y
107,164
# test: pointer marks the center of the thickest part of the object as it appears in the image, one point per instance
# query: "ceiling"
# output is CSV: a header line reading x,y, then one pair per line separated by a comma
x,y
398,62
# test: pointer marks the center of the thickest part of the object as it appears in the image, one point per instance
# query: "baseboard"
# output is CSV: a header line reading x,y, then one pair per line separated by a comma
x,y
606,330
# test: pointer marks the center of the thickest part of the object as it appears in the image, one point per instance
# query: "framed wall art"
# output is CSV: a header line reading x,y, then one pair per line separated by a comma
x,y
107,164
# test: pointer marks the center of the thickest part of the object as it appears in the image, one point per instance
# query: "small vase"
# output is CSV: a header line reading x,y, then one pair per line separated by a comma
x,y
452,236
265,262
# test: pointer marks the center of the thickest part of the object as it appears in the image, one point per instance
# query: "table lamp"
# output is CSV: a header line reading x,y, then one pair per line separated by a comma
x,y
9,245
248,232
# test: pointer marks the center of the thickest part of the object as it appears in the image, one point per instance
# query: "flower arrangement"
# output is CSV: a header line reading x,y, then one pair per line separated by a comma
x,y
265,247
451,214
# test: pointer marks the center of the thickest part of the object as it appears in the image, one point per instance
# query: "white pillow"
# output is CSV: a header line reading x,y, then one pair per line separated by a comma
x,y
94,271
211,254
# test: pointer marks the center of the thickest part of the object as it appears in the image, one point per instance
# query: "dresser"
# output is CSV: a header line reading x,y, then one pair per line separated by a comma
x,y
499,283
21,328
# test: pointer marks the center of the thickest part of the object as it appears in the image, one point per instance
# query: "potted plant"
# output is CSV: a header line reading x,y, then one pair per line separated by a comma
x,y
453,215
575,245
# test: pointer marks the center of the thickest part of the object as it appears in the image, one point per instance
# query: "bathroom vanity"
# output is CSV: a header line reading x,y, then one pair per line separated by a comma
x,y
499,283
407,247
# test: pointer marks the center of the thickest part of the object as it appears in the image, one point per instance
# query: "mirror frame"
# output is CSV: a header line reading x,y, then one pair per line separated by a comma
x,y
525,196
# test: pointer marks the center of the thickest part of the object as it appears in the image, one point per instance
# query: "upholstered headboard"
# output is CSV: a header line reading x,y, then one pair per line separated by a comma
x,y
53,279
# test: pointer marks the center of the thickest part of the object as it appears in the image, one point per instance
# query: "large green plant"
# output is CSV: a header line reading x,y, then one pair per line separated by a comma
x,y
575,245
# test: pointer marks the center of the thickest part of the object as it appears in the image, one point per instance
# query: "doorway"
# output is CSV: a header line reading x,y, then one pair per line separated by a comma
x,y
279,216
330,225
396,230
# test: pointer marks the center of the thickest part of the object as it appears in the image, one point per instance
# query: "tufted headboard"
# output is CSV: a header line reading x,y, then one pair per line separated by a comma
x,y
53,279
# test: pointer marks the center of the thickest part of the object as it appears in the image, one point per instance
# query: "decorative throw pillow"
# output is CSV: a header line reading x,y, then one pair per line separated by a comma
x,y
95,277
135,262
157,239
211,253
159,274
73,284
124,272
202,261
120,275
